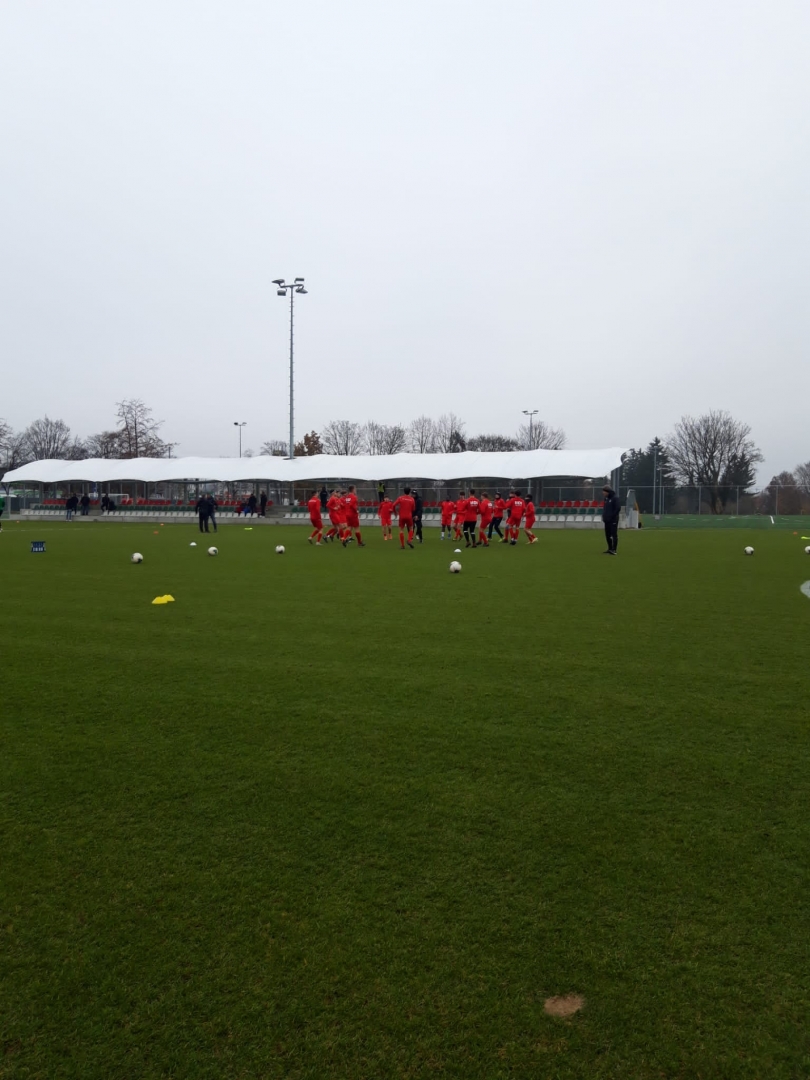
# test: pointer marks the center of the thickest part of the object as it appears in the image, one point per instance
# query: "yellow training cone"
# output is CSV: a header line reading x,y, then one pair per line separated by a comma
x,y
163,599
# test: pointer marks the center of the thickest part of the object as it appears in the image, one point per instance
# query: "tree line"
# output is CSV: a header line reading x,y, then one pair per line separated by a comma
x,y
135,433
714,452
424,435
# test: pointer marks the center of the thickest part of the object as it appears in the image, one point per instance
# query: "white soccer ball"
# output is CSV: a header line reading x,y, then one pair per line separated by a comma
x,y
213,551
137,557
193,543
749,551
279,549
457,551
455,567
807,550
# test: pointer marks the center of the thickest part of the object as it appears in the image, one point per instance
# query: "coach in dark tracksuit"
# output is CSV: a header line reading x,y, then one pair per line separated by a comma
x,y
610,517
417,516
203,510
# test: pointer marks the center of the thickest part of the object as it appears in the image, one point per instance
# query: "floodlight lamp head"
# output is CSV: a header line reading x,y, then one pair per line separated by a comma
x,y
302,290
278,281
299,279
281,292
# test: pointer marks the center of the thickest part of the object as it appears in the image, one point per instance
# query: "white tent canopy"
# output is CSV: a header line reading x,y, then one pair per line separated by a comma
x,y
514,465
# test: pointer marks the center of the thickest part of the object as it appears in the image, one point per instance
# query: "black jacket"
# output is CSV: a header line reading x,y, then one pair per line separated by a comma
x,y
611,508
212,505
417,508
202,507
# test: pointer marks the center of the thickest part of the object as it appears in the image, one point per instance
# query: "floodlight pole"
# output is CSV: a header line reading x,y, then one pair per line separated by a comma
x,y
531,413
240,426
282,288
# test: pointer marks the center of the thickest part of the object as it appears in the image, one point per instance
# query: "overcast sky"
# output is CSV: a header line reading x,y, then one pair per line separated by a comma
x,y
598,210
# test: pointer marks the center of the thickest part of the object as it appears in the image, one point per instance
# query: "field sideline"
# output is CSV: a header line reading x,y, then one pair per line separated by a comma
x,y
342,814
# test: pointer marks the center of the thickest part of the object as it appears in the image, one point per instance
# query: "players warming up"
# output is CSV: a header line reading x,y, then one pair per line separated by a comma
x,y
352,516
336,516
529,519
314,507
448,507
514,510
486,509
385,511
471,505
405,504
458,521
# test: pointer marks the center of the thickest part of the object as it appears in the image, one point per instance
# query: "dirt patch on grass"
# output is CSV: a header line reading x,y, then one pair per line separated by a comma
x,y
566,1005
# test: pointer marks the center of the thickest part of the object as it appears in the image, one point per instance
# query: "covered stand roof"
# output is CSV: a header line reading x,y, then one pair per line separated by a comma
x,y
514,465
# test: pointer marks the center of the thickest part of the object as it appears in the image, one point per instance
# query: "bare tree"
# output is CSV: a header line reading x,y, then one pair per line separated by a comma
x,y
13,448
498,443
384,438
802,474
275,448
450,438
139,430
47,438
343,437
421,437
540,436
715,451
107,444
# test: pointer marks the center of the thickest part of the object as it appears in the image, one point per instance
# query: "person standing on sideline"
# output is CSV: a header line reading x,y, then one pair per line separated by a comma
x,y
486,519
471,505
314,507
448,506
263,504
497,516
352,514
380,492
202,510
324,497
2,508
252,503
84,503
70,506
385,512
529,519
213,506
405,504
417,515
610,517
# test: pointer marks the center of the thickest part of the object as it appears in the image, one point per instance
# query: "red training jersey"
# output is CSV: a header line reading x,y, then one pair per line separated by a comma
x,y
349,501
314,506
529,519
471,509
385,511
406,507
448,506
499,507
486,512
335,508
515,506
461,506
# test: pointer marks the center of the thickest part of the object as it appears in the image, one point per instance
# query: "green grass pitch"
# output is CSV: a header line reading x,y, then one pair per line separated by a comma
x,y
342,814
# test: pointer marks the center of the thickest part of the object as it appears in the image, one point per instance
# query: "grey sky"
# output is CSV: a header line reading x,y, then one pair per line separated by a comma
x,y
594,209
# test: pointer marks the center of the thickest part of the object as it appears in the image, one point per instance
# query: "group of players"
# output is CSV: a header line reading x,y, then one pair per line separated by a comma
x,y
471,517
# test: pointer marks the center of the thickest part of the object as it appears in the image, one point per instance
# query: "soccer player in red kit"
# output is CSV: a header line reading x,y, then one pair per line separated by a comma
x,y
314,507
497,518
461,504
448,506
406,504
336,516
514,508
385,511
486,509
529,520
471,505
349,500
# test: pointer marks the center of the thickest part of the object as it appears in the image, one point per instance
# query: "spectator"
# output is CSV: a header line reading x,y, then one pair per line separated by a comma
x,y
84,502
380,491
252,503
610,516
70,506
105,503
324,497
2,508
212,511
263,504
